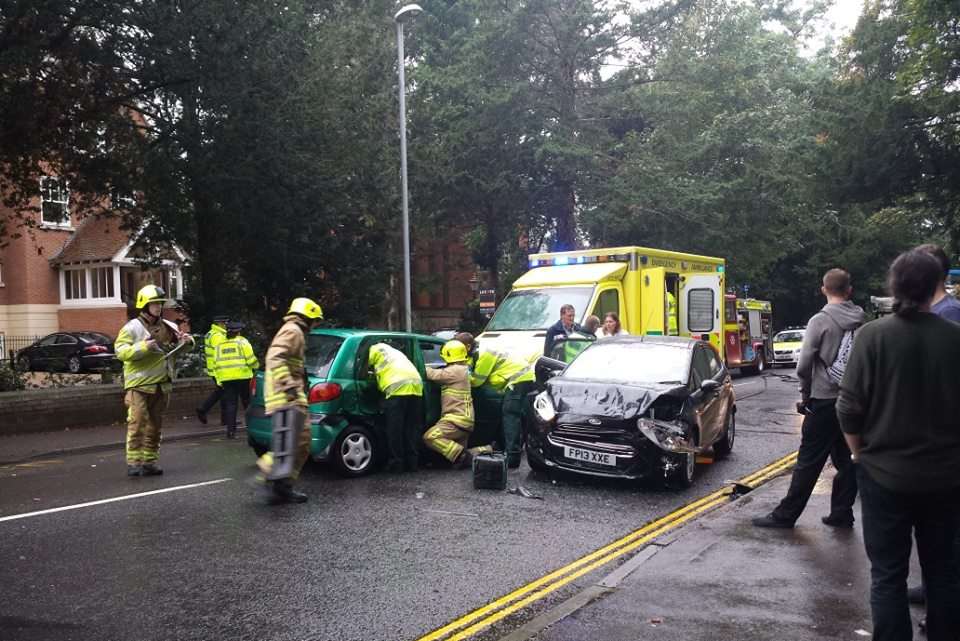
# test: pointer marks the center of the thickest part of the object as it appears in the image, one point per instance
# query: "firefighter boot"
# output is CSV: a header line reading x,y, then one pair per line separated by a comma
x,y
283,492
135,470
464,461
152,469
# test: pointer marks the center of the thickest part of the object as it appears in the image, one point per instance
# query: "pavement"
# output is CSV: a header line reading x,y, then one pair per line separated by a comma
x,y
721,578
19,448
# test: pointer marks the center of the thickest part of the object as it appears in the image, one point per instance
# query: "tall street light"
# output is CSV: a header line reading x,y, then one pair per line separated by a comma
x,y
407,12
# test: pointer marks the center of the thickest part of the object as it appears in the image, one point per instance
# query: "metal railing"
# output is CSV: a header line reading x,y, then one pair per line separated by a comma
x,y
10,345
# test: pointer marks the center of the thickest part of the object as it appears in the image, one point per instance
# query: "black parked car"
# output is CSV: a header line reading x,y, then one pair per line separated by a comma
x,y
634,407
72,352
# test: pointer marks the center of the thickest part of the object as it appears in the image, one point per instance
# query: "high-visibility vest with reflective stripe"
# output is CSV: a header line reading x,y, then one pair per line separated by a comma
x,y
671,314
396,375
141,366
235,360
213,338
498,370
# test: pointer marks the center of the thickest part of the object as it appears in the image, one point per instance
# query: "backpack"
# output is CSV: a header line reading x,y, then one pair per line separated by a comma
x,y
839,365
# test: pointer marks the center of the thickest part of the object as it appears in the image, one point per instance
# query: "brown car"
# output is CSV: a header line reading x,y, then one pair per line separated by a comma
x,y
634,407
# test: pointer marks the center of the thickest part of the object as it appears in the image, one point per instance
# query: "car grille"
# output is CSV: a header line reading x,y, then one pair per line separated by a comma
x,y
591,432
615,448
784,353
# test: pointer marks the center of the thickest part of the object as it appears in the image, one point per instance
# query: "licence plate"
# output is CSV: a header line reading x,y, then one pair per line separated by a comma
x,y
589,456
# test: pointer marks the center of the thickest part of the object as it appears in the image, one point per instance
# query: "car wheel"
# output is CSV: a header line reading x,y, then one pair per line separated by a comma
x,y
724,446
73,365
257,448
354,451
24,364
761,364
679,469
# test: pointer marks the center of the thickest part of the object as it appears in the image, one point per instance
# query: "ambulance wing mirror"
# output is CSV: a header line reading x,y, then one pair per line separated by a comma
x,y
546,368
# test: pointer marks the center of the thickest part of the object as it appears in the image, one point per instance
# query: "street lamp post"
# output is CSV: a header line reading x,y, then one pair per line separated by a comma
x,y
405,13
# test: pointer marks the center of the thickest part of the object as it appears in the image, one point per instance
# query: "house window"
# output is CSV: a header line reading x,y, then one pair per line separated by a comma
x,y
75,284
1,280
54,201
175,284
101,282
121,200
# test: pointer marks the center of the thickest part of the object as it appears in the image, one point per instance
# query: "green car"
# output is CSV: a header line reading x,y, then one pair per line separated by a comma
x,y
346,417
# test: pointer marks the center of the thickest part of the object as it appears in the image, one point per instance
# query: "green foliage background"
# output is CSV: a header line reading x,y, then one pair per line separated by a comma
x,y
262,136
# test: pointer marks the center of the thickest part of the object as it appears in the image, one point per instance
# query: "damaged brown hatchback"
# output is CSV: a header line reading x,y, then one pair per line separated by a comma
x,y
633,407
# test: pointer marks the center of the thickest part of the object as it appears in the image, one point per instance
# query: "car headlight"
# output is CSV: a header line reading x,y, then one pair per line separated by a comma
x,y
796,352
665,435
543,407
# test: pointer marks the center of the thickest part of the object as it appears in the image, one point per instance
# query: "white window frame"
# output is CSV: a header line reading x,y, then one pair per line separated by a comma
x,y
63,223
88,300
1,280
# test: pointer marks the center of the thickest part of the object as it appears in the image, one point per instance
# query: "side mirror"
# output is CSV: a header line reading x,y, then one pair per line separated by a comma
x,y
546,368
709,386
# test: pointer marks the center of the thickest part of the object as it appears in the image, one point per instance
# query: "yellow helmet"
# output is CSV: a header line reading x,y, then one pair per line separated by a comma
x,y
150,294
306,308
453,352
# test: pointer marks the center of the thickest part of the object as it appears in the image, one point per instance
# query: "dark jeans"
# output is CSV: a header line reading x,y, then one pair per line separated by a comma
x,y
234,391
889,519
821,438
404,426
212,400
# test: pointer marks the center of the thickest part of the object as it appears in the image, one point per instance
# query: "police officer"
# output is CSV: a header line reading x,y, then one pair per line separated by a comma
x,y
286,401
216,333
142,347
450,434
235,363
514,377
400,382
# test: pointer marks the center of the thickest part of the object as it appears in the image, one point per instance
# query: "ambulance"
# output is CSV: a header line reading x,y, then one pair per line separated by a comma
x,y
643,286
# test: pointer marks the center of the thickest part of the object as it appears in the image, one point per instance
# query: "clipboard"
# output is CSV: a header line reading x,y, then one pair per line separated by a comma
x,y
180,345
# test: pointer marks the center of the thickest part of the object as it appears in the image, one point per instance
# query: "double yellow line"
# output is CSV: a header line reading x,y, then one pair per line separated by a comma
x,y
473,622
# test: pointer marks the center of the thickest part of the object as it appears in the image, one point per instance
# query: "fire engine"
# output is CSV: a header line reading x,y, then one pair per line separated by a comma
x,y
748,340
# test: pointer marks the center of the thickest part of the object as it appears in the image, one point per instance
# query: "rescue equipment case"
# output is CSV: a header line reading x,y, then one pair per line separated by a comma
x,y
490,471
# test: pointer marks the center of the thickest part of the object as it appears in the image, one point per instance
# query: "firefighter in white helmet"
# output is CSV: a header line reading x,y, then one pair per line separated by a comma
x,y
450,434
285,381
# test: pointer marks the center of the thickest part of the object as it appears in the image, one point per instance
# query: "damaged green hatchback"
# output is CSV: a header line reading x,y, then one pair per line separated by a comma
x,y
346,417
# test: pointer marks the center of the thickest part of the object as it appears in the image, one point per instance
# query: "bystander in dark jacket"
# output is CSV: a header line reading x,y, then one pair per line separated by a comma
x,y
899,408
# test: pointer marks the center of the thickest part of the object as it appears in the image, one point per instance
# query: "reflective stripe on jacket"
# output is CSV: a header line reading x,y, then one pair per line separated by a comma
x,y
396,375
235,360
499,370
143,367
456,401
284,376
214,337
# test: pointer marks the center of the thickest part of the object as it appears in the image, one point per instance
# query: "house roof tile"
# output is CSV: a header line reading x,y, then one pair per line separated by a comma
x,y
98,238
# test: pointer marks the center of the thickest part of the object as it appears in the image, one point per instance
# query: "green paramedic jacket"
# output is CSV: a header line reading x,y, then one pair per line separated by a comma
x,y
500,370
396,375
144,367
235,360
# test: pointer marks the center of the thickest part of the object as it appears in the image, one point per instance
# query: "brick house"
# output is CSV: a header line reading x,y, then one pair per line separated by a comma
x,y
73,272
445,279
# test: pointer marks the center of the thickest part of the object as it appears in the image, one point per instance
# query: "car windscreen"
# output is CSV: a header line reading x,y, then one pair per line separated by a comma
x,y
788,337
531,309
320,352
631,363
94,337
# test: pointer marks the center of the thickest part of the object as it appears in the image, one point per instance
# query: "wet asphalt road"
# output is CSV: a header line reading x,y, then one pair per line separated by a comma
x,y
378,558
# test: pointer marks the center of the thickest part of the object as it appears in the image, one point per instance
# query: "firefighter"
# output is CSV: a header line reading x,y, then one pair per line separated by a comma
x,y
216,333
235,363
286,402
514,377
450,434
142,346
400,382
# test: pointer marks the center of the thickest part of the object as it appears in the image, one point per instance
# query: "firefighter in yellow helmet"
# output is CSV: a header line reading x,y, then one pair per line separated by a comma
x,y
399,381
450,434
143,346
284,394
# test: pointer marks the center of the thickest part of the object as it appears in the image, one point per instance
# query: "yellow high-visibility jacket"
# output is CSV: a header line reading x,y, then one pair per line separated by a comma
x,y
396,375
213,338
145,369
284,378
500,370
456,401
235,360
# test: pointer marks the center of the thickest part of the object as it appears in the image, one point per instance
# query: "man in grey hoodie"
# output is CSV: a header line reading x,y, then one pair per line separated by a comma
x,y
821,436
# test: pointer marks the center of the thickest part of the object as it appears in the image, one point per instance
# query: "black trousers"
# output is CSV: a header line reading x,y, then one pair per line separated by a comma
x,y
233,392
212,400
821,438
404,427
889,520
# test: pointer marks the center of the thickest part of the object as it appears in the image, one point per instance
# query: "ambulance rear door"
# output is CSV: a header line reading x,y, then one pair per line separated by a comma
x,y
700,300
